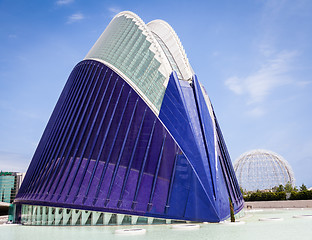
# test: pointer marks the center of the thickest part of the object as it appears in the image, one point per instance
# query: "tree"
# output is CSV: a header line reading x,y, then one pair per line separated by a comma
x,y
280,188
232,211
242,190
303,188
288,187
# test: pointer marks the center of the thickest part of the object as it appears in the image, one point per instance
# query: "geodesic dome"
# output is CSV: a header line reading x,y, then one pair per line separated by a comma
x,y
262,169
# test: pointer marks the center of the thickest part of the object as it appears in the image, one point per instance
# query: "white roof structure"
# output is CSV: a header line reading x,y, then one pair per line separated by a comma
x,y
172,47
262,169
142,56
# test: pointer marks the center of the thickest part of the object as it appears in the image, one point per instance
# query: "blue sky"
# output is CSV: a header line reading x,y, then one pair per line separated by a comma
x,y
253,57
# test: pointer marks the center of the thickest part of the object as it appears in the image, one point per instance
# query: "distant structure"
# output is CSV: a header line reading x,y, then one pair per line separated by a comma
x,y
262,169
133,139
10,183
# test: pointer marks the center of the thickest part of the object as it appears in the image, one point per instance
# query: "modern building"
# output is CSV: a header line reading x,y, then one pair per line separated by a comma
x,y
10,183
262,170
133,139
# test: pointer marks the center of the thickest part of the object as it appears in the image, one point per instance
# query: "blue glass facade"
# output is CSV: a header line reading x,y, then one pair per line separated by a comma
x,y
104,149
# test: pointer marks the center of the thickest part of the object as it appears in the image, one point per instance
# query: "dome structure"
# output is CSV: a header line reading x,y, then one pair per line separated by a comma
x,y
262,169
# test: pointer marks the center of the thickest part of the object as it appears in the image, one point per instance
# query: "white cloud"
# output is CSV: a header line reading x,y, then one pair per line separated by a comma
x,y
266,49
114,10
256,112
234,84
75,17
272,74
64,2
215,53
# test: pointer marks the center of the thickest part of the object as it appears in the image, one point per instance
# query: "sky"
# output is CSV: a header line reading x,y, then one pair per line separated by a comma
x,y
254,58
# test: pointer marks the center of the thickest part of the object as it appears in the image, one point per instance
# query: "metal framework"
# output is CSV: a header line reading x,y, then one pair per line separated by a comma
x,y
262,169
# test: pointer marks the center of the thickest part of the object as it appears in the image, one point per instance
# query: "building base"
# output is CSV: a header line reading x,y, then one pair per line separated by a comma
x,y
42,215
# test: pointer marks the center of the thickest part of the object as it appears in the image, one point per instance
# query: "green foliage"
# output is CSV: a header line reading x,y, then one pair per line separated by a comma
x,y
288,187
280,188
279,193
302,195
303,188
242,190
265,196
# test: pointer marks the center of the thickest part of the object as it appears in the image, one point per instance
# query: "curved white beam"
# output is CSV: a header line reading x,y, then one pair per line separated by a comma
x,y
169,37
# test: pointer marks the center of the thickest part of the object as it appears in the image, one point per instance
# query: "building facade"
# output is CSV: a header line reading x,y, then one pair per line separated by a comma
x,y
133,138
10,183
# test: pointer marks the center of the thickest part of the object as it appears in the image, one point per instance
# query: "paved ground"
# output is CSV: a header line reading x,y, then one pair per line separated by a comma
x,y
4,204
3,219
280,204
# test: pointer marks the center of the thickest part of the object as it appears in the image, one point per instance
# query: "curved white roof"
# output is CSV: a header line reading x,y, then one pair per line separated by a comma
x,y
142,55
173,44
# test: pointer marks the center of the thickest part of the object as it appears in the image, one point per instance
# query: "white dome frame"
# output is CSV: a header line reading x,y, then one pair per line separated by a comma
x,y
262,169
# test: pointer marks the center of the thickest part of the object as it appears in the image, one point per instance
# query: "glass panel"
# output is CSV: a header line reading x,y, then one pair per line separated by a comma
x,y
125,46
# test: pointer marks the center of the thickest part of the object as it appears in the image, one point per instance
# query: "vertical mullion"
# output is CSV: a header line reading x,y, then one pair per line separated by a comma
x,y
103,144
84,130
42,160
97,135
59,137
228,172
201,123
225,156
120,153
131,160
64,135
156,174
226,178
71,141
143,166
171,181
92,127
233,175
47,149
81,135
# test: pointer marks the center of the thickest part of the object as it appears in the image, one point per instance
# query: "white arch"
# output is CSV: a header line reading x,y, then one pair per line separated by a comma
x,y
148,72
169,37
